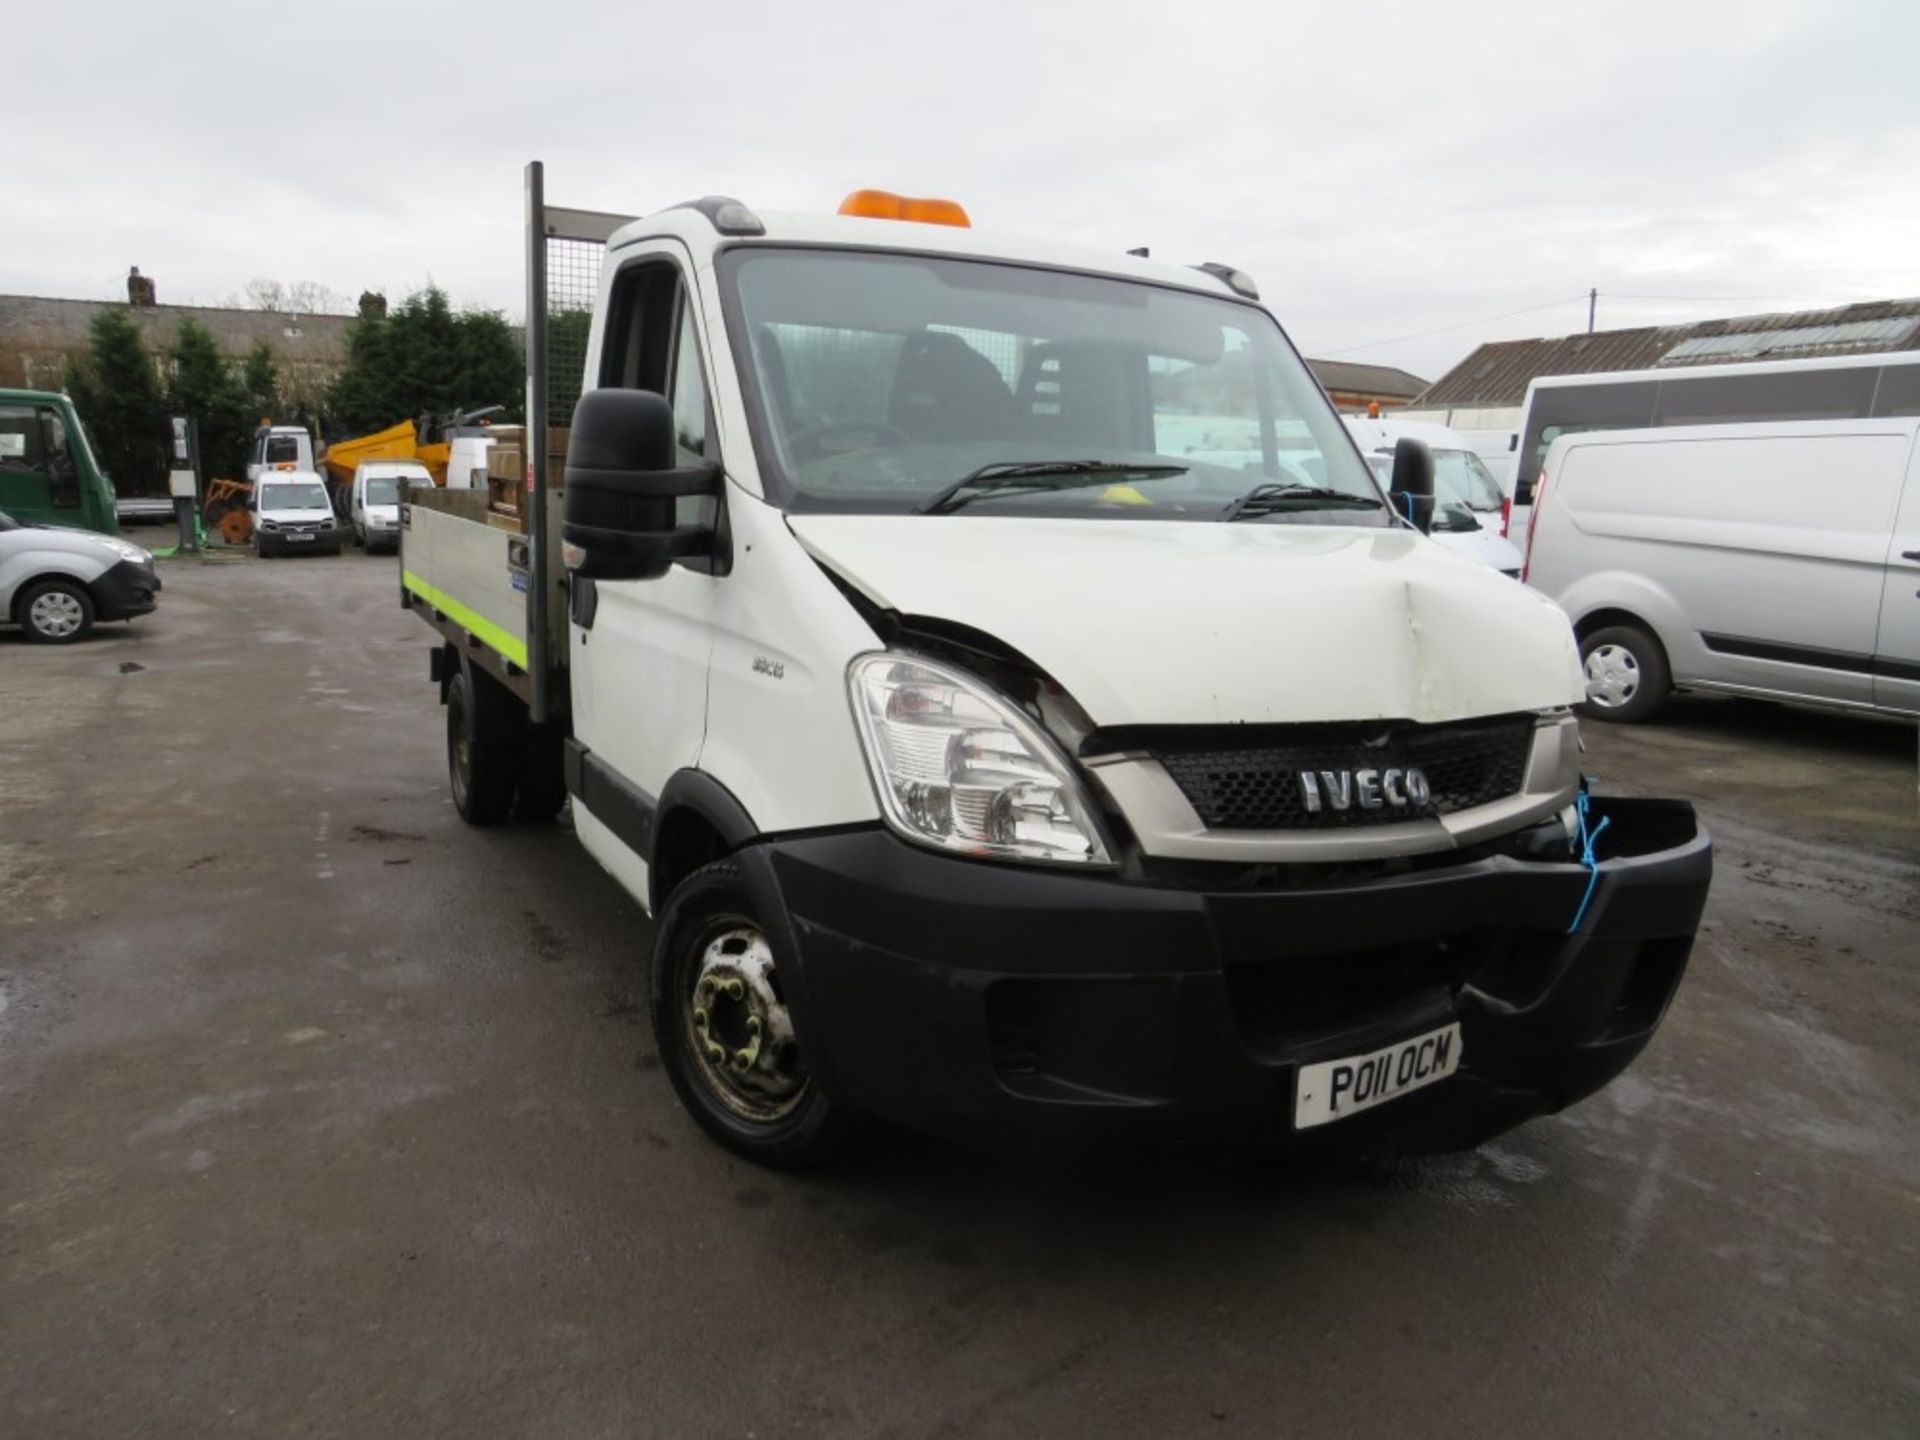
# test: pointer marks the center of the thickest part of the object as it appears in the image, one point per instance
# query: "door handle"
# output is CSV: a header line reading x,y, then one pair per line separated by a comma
x,y
1910,554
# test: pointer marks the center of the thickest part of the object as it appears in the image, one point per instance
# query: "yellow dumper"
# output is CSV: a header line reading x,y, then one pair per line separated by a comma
x,y
396,442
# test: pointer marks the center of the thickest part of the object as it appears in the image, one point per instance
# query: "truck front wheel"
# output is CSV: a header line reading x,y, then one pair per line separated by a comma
x,y
481,763
725,1034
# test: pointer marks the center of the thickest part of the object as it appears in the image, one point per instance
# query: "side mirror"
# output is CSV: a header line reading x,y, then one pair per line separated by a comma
x,y
1411,488
622,483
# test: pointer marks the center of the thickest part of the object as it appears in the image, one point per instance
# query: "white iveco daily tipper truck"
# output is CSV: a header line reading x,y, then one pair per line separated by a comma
x,y
1026,719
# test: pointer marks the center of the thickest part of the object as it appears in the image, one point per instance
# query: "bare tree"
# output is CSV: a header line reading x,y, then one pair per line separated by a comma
x,y
301,297
310,297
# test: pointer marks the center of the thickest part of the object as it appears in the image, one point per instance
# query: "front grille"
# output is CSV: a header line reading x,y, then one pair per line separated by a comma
x,y
1248,778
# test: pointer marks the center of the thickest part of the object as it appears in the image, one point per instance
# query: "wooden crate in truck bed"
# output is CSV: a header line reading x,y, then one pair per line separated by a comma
x,y
507,466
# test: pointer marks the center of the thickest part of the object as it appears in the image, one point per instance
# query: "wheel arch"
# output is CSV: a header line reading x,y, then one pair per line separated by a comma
x,y
698,821
1613,615
15,607
1608,616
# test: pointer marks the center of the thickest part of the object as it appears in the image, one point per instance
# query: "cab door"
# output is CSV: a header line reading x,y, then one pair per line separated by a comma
x,y
40,479
640,648
24,492
1896,661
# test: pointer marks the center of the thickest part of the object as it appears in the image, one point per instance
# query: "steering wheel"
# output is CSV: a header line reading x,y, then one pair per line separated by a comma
x,y
810,444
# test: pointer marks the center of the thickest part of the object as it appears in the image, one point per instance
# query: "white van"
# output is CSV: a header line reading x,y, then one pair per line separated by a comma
x,y
997,672
1470,513
1497,449
280,448
1778,560
291,513
373,505
1685,390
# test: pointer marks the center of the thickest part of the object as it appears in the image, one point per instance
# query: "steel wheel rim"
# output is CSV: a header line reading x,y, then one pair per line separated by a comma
x,y
56,614
736,1026
1613,676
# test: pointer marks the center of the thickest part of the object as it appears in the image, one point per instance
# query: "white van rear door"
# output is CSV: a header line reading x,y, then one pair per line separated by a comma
x,y
1896,661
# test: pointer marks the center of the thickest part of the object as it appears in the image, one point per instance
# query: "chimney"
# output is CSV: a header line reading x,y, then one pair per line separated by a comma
x,y
139,290
373,305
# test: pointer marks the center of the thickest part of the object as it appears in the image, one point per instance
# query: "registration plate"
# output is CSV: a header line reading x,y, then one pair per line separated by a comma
x,y
1335,1089
296,537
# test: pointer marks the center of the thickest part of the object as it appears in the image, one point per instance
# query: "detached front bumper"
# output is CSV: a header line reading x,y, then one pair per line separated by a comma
x,y
1016,1007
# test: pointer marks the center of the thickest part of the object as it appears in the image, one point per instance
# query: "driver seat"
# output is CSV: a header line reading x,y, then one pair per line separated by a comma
x,y
945,390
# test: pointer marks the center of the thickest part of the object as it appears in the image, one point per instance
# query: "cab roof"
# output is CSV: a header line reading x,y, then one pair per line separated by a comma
x,y
692,228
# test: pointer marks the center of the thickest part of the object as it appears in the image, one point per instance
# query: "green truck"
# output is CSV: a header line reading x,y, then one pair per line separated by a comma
x,y
48,475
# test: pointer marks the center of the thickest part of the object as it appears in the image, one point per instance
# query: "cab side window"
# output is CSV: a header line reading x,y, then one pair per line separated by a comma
x,y
689,392
36,468
63,475
637,352
653,344
22,446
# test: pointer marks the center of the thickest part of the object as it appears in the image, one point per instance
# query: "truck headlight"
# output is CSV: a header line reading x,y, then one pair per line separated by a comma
x,y
959,768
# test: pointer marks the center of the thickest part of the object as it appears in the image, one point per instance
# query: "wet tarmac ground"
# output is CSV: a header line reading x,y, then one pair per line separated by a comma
x,y
324,1114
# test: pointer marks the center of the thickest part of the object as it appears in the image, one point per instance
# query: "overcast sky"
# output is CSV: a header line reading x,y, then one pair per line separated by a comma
x,y
1385,171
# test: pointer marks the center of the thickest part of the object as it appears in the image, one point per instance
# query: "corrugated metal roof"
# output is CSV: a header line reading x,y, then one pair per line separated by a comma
x,y
1385,380
1498,373
1855,337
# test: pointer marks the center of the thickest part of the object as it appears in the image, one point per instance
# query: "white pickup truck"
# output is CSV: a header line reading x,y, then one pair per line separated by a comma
x,y
995,757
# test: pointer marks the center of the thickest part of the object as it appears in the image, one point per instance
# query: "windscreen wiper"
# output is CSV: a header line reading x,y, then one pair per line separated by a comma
x,y
1035,475
1267,498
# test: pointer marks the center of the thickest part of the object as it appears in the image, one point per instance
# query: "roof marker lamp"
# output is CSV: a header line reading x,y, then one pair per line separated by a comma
x,y
885,205
959,768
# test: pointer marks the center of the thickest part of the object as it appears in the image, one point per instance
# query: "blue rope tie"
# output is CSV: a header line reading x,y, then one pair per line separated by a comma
x,y
1584,847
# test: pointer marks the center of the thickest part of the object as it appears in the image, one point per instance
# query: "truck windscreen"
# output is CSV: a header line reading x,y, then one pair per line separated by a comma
x,y
880,380
302,495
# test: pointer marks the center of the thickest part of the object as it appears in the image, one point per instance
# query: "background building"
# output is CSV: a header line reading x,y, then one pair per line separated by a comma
x,y
1485,391
1353,387
38,334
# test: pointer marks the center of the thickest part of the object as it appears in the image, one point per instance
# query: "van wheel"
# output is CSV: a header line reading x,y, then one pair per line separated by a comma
x,y
725,1035
1627,674
481,764
55,612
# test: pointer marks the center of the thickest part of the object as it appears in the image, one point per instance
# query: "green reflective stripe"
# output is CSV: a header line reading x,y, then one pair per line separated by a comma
x,y
492,634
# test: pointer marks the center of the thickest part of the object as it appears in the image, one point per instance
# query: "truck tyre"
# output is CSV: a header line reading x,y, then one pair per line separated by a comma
x,y
55,612
1627,674
481,763
543,779
725,1035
